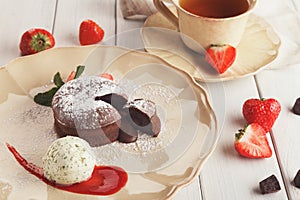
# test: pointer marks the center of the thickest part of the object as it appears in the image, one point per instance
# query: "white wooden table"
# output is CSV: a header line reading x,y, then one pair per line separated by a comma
x,y
226,175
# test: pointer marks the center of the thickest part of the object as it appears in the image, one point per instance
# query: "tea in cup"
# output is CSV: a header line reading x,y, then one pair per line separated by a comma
x,y
206,22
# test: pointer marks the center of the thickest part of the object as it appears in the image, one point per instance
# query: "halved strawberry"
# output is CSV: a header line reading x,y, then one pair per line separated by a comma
x,y
220,57
36,40
90,32
107,76
45,98
251,142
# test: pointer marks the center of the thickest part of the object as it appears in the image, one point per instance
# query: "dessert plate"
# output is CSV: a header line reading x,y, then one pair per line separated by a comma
x,y
258,47
156,167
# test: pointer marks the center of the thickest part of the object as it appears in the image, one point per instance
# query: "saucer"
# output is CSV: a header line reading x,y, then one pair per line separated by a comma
x,y
258,48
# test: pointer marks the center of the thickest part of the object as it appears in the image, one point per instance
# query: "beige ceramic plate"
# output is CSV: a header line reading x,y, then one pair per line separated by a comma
x,y
259,47
157,167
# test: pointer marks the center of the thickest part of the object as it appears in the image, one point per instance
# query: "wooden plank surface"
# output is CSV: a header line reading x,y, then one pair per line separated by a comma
x,y
227,175
128,31
70,13
16,17
282,85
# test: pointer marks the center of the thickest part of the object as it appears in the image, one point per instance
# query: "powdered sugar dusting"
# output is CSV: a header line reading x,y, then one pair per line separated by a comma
x,y
75,103
33,128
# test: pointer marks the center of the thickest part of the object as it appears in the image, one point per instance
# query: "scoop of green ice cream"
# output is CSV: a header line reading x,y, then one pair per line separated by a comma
x,y
69,160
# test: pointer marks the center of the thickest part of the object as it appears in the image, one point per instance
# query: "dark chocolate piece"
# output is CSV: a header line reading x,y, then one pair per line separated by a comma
x,y
297,179
296,107
269,185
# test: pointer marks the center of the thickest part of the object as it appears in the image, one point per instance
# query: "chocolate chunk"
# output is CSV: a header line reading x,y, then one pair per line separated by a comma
x,y
297,179
269,185
296,107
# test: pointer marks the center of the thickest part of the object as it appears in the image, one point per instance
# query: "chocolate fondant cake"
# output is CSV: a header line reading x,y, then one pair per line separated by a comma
x,y
96,109
84,107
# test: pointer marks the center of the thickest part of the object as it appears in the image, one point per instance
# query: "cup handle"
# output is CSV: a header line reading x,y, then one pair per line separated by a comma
x,y
165,11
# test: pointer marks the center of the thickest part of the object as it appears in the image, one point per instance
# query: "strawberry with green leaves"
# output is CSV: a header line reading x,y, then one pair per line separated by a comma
x,y
261,111
36,40
251,142
45,98
90,32
220,57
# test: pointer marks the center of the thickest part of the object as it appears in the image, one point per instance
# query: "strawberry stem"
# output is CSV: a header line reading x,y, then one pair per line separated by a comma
x,y
217,45
241,132
239,135
40,42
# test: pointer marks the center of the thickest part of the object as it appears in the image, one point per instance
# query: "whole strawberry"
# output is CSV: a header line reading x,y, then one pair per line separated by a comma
x,y
90,32
36,40
220,57
262,111
251,142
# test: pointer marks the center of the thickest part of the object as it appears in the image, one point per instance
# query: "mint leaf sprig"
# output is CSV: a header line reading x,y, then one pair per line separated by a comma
x,y
45,98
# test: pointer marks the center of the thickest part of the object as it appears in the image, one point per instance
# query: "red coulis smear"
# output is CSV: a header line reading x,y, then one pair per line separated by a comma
x,y
105,180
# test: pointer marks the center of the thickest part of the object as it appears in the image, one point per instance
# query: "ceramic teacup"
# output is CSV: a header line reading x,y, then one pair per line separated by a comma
x,y
211,26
